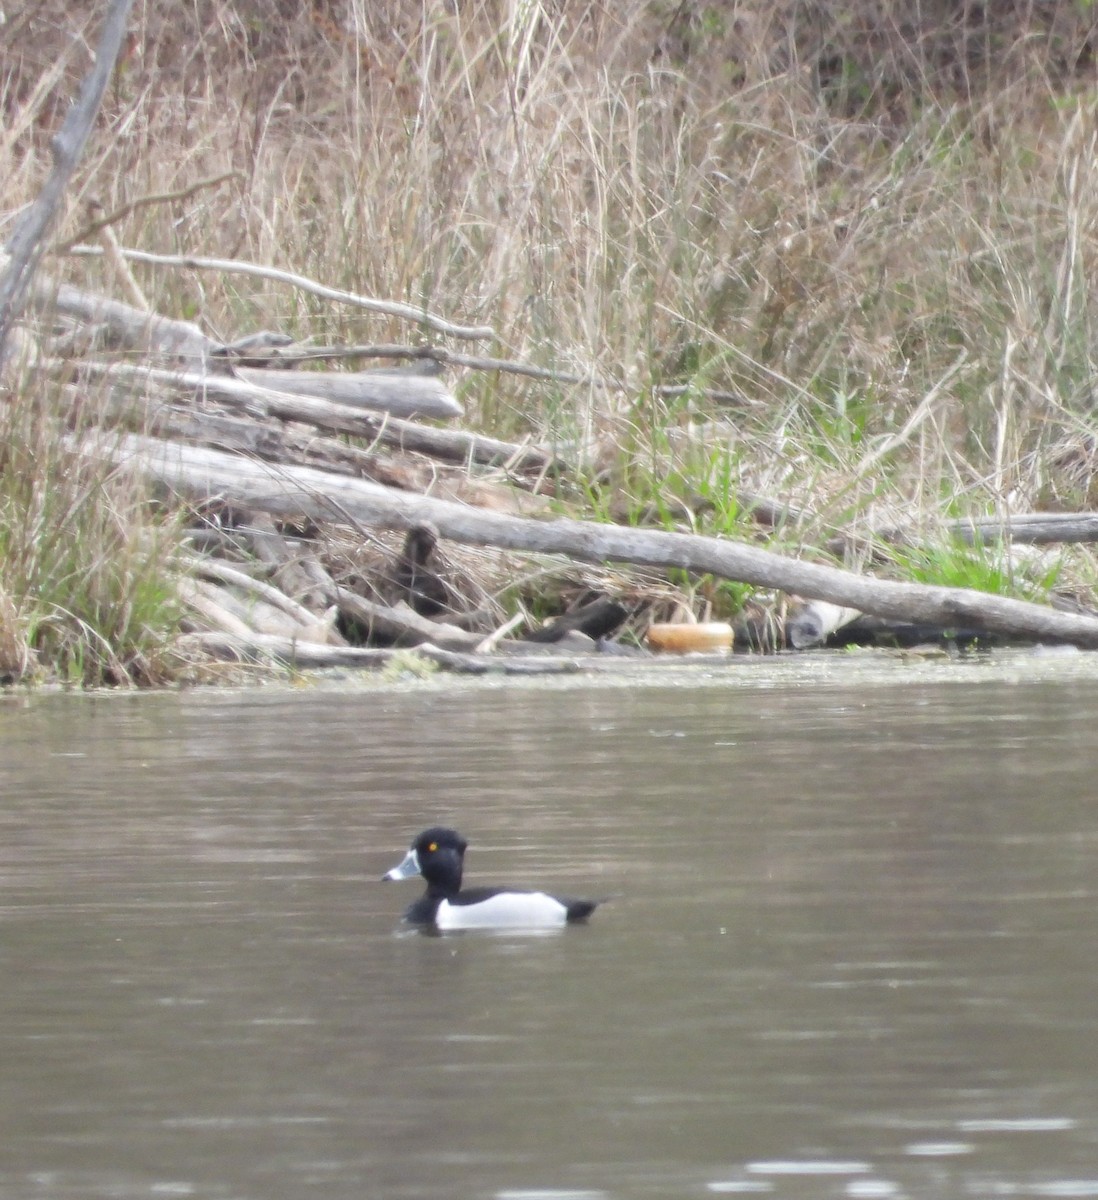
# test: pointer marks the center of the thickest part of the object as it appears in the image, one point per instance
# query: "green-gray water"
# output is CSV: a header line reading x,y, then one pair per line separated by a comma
x,y
850,951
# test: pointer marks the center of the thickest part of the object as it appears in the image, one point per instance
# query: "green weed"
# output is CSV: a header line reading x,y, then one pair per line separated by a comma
x,y
993,566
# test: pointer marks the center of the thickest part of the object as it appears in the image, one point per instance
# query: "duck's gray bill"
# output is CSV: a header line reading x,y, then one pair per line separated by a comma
x,y
404,870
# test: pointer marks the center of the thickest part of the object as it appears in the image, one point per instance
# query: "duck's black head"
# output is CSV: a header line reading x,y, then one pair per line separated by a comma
x,y
438,855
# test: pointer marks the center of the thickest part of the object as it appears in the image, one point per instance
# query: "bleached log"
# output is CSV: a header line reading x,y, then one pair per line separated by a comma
x,y
1019,529
296,568
403,393
213,606
408,628
316,627
258,614
309,655
449,445
402,623
1034,529
301,491
297,399
124,326
151,411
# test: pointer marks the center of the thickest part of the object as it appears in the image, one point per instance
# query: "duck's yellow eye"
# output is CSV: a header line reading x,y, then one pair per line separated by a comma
x,y
432,847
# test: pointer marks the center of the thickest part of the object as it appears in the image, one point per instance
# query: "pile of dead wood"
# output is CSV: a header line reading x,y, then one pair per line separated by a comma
x,y
319,499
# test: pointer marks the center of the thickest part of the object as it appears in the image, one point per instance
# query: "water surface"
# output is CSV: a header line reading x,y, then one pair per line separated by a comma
x,y
850,950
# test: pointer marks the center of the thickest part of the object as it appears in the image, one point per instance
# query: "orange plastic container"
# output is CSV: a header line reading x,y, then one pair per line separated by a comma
x,y
710,637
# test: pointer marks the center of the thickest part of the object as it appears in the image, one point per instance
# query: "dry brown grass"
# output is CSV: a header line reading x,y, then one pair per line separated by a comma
x,y
875,221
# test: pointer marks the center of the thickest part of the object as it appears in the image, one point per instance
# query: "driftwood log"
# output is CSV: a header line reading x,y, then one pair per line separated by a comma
x,y
1019,529
272,648
456,446
402,393
101,321
203,474
1034,529
326,398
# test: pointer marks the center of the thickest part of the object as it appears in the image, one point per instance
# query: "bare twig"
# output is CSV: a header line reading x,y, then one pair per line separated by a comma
x,y
119,267
492,641
119,214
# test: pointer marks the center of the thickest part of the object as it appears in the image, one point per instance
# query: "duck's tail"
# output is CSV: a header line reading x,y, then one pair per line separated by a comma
x,y
580,910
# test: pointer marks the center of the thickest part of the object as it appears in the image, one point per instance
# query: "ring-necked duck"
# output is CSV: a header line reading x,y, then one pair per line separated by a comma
x,y
438,855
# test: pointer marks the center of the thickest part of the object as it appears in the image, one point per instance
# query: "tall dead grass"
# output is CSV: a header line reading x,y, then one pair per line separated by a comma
x,y
84,591
875,223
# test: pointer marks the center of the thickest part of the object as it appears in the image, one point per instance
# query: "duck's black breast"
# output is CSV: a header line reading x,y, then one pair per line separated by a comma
x,y
423,911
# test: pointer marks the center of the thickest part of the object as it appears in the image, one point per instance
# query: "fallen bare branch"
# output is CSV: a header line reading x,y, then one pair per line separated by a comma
x,y
491,643
209,603
232,266
127,327
124,210
301,491
450,445
402,393
1034,529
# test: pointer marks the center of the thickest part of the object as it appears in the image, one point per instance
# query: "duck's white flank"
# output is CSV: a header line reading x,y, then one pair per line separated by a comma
x,y
508,910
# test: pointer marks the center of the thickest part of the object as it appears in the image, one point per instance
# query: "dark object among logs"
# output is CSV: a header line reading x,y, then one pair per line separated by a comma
x,y
419,585
597,620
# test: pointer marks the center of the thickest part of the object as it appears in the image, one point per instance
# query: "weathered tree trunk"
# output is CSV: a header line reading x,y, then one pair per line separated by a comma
x,y
403,393
1034,529
302,491
299,395
121,326
449,445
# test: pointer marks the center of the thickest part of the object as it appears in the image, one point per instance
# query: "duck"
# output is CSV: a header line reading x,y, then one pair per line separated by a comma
x,y
438,854
417,582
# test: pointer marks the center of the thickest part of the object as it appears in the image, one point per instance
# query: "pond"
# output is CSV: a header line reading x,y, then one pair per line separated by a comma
x,y
848,951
